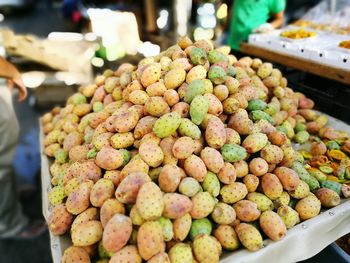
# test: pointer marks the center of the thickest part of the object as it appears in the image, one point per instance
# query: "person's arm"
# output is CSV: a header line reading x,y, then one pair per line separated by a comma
x,y
277,20
8,71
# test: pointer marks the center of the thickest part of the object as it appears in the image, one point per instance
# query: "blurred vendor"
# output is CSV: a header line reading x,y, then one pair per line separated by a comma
x,y
254,16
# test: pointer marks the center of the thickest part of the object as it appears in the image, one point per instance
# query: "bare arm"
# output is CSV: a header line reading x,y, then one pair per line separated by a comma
x,y
8,71
277,20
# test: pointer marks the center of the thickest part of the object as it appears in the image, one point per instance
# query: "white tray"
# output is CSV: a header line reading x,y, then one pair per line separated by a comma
x,y
302,242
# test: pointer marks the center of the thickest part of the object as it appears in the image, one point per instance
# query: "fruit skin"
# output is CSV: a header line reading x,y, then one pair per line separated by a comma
x,y
151,74
234,192
176,205
188,128
308,207
328,197
167,124
301,137
262,201
87,233
167,145
249,236
258,166
197,72
174,78
182,226
149,201
272,154
76,255
215,106
227,237
88,215
198,109
206,248
251,181
59,220
289,216
215,133
189,186
257,115
246,211
56,195
150,239
181,253
156,106
223,214
198,56
128,189
160,258
233,152
215,56
144,126
135,165
288,177
79,200
227,173
217,75
122,140
195,167
240,122
102,190
200,226
203,205
167,227
211,184
109,208
256,104
301,191
255,142
272,225
183,147
271,186
195,88
335,186
109,158
305,176
151,153
126,254
170,177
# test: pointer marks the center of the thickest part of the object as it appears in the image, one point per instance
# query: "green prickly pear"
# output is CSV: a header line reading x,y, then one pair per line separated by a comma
x,y
188,128
196,87
198,56
256,115
217,75
211,184
56,195
215,56
200,226
198,109
233,152
255,142
289,216
263,202
167,227
167,124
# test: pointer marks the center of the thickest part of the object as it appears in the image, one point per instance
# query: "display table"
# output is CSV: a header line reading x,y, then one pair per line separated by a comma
x,y
301,242
297,62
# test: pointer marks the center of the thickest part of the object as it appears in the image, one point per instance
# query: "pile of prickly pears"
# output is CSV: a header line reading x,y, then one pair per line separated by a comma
x,y
185,155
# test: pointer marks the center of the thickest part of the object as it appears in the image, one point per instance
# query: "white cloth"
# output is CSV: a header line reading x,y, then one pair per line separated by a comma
x,y
264,28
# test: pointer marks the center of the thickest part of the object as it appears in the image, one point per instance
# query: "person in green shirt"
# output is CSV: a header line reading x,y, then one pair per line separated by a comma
x,y
254,16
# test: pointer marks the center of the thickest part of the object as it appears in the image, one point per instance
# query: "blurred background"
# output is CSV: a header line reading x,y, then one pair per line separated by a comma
x,y
60,45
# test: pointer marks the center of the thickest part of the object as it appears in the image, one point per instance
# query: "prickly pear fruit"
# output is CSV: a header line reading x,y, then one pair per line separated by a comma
x,y
117,232
167,124
197,72
151,74
183,147
176,205
256,104
59,220
126,254
258,166
150,239
262,201
227,173
189,186
308,207
198,109
181,253
151,153
271,186
195,88
198,56
149,201
161,257
272,154
211,184
215,133
305,176
289,216
170,177
272,225
75,254
328,197
206,248
223,214
195,167
109,208
167,228
288,177
87,233
56,195
227,237
109,158
301,191
102,190
188,128
79,200
251,181
174,78
128,189
249,236
217,75
122,140
200,226
255,142
234,192
246,211
156,106
335,186
203,205
233,152
264,70
257,115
